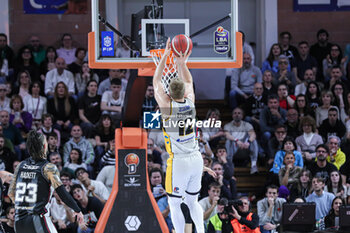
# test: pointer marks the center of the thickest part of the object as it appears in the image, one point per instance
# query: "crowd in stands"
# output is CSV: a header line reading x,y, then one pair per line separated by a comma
x,y
291,115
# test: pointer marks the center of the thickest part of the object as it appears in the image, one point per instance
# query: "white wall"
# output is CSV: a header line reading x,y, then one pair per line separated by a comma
x,y
4,17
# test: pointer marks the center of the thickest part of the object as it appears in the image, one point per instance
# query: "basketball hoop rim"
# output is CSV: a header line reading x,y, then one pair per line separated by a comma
x,y
157,52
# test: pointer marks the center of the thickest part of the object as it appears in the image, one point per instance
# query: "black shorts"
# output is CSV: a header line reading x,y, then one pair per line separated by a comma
x,y
35,224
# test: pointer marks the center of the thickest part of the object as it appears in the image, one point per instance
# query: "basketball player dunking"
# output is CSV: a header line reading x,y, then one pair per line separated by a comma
x,y
32,187
185,164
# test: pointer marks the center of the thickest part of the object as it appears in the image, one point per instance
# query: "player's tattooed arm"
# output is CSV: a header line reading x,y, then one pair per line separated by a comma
x,y
53,175
12,189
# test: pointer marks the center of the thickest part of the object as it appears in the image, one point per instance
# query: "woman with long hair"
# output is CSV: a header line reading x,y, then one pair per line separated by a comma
x,y
18,117
335,185
334,58
63,107
104,133
35,104
76,66
49,62
83,77
75,160
25,61
304,187
24,81
9,223
332,219
313,95
302,107
271,62
340,92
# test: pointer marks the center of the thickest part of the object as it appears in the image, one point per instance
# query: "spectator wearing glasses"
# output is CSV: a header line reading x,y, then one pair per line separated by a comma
x,y
334,58
321,167
67,51
302,107
275,144
25,61
292,123
340,94
336,156
284,75
309,140
287,49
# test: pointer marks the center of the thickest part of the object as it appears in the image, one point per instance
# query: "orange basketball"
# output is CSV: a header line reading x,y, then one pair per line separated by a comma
x,y
132,159
181,43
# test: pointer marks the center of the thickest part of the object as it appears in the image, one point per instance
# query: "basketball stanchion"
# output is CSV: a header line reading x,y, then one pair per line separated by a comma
x,y
131,206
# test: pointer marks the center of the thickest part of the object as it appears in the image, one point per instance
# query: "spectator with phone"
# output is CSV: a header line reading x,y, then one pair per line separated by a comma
x,y
156,177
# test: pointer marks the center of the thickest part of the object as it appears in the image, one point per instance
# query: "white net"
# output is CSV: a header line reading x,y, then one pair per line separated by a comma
x,y
169,71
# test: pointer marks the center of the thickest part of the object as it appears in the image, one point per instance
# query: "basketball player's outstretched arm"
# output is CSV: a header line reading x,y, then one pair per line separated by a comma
x,y
53,175
186,76
6,177
161,97
12,188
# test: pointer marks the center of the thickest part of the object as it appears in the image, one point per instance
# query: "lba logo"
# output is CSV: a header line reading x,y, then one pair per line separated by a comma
x,y
151,120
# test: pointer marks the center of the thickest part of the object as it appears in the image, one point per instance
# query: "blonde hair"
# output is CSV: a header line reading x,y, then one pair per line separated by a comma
x,y
176,88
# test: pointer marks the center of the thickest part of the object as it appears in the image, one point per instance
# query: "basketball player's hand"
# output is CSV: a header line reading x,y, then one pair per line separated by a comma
x,y
167,47
80,219
210,172
269,226
181,60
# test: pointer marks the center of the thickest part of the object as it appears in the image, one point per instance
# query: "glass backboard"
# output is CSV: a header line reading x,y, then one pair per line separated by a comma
x,y
142,25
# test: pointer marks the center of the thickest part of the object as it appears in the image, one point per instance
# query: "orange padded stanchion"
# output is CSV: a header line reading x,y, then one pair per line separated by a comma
x,y
131,206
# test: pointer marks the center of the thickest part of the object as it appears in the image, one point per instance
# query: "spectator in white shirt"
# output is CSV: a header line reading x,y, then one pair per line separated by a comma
x,y
112,101
59,74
